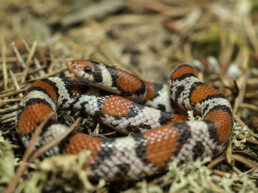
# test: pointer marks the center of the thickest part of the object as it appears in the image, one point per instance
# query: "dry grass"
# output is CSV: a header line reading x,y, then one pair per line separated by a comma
x,y
147,38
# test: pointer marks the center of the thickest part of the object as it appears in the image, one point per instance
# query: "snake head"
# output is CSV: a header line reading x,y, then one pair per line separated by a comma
x,y
85,70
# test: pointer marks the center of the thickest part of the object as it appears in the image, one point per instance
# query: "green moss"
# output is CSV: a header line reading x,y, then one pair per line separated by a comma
x,y
193,176
70,168
255,6
240,144
7,161
207,43
34,183
213,34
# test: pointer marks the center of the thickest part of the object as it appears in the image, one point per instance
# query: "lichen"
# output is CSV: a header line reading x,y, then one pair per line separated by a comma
x,y
7,161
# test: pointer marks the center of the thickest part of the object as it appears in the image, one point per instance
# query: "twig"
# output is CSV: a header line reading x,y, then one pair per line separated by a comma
x,y
221,173
37,64
44,148
216,161
32,51
9,100
9,109
97,10
14,92
4,64
49,74
52,64
8,117
245,161
249,106
242,81
15,83
17,53
162,8
251,33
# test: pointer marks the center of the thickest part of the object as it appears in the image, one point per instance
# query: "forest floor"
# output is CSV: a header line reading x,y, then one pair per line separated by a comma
x,y
147,38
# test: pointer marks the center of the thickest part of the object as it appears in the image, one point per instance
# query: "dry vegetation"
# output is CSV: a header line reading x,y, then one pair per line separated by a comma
x,y
147,38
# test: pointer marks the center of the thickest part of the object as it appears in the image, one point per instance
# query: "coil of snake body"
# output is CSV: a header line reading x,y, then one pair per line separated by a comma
x,y
159,138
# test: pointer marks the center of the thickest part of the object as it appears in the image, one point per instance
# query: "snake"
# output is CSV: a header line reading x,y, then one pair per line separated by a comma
x,y
155,134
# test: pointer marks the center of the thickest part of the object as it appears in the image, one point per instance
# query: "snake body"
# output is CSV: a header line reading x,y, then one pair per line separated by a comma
x,y
159,138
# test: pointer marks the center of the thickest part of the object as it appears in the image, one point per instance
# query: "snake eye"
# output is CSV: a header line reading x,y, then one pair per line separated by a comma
x,y
87,69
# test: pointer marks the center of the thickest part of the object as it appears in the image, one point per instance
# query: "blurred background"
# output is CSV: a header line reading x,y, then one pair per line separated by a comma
x,y
141,33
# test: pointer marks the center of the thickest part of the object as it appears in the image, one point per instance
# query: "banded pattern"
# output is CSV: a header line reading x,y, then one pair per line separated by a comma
x,y
159,137
122,83
117,112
